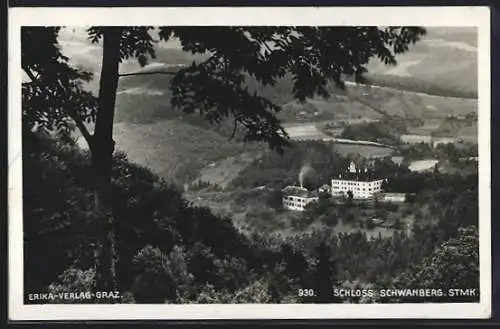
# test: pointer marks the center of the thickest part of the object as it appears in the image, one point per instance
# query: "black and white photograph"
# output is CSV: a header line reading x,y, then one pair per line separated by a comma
x,y
221,163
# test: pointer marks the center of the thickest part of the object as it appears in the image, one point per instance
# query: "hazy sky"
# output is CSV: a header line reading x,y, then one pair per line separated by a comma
x,y
75,44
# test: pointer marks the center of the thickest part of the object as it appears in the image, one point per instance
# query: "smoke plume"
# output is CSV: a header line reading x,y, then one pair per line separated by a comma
x,y
305,170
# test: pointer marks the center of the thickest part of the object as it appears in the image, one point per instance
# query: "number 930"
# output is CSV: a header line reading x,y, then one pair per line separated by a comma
x,y
306,293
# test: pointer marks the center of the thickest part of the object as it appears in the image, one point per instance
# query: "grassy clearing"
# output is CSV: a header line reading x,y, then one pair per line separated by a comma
x,y
364,150
409,104
175,150
221,173
342,107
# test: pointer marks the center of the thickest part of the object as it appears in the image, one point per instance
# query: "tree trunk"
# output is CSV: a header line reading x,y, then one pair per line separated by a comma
x,y
102,158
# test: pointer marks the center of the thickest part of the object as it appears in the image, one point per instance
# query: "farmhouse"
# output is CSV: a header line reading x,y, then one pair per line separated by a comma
x,y
360,184
297,198
325,188
415,139
444,140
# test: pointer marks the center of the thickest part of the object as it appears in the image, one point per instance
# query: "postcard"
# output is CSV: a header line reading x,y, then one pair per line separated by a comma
x,y
249,163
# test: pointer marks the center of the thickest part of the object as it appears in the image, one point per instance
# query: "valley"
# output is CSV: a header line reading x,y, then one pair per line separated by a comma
x,y
209,167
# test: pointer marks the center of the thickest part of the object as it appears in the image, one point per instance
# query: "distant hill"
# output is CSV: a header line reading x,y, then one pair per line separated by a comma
x,y
446,59
177,146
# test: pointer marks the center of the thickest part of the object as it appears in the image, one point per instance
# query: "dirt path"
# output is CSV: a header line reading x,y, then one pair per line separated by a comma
x,y
310,131
223,172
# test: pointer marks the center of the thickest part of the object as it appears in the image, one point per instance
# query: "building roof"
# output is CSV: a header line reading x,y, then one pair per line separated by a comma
x,y
354,173
298,191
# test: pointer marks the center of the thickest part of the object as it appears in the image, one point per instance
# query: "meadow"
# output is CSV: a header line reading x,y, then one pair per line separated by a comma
x,y
364,150
175,150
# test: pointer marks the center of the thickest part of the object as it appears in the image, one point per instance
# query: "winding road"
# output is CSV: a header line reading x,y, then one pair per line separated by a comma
x,y
310,131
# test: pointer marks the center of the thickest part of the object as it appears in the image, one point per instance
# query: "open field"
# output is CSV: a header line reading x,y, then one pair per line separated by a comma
x,y
412,104
174,150
429,126
364,150
352,108
304,131
469,133
422,165
221,173
311,131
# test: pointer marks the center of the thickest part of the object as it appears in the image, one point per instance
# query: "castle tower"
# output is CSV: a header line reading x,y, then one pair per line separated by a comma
x,y
352,168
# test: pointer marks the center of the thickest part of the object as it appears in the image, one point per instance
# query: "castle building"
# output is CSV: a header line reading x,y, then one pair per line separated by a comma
x,y
297,198
362,184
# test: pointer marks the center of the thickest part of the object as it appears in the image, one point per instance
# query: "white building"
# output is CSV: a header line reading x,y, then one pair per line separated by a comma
x,y
392,197
362,184
360,189
297,198
325,188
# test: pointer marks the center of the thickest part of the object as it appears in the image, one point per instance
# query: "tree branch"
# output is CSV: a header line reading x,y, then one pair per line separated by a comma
x,y
146,73
30,74
79,122
234,129
81,126
71,112
266,46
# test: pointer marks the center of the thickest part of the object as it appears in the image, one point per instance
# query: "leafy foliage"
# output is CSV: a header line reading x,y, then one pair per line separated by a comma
x,y
135,41
154,282
386,131
66,228
176,253
454,265
53,98
313,56
74,280
448,151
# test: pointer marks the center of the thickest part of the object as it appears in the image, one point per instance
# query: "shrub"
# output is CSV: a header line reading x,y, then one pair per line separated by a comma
x,y
154,281
329,219
75,280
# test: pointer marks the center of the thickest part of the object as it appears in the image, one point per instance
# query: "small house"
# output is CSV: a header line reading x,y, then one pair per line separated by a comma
x,y
392,197
297,198
325,188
